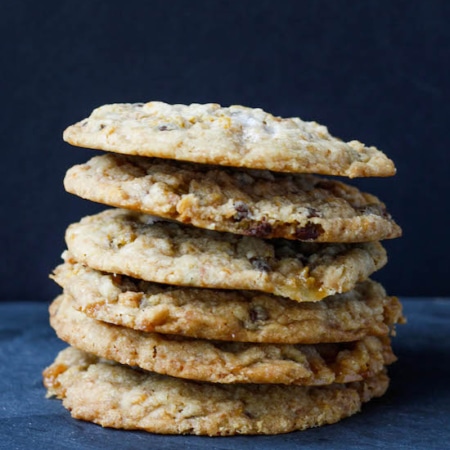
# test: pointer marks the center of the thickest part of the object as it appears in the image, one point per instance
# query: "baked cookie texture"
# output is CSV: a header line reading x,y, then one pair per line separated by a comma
x,y
221,361
134,244
119,396
243,316
248,202
228,136
226,291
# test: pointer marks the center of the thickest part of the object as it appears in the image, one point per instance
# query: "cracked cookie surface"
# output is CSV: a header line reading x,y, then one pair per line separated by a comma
x,y
118,396
231,136
247,202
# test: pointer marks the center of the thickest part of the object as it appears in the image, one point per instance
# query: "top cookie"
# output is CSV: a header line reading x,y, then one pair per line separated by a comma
x,y
231,136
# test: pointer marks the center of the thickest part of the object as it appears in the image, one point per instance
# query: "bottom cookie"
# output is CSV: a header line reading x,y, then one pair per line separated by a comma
x,y
117,396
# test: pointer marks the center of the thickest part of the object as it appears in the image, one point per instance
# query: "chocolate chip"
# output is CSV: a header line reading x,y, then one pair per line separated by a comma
x,y
310,232
262,264
261,229
312,212
302,258
116,279
163,128
373,208
242,211
244,178
258,313
325,184
102,125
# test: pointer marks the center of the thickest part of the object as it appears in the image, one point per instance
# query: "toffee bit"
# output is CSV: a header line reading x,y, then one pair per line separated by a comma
x,y
261,264
310,232
242,211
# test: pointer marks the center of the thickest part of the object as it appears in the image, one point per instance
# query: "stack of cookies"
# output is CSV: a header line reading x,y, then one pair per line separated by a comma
x,y
226,290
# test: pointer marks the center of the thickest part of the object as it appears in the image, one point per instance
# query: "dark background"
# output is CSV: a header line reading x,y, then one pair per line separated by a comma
x,y
375,71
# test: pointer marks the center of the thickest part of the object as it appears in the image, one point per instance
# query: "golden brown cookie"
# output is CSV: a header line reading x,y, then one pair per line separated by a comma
x,y
247,202
234,136
220,361
245,316
118,396
125,242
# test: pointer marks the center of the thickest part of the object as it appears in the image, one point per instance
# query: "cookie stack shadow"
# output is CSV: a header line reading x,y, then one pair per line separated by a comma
x,y
227,288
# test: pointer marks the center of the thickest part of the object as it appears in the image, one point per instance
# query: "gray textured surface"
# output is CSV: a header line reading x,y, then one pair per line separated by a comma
x,y
415,414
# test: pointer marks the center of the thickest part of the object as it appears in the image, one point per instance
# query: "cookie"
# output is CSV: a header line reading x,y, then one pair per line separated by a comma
x,y
231,136
247,202
140,246
245,316
220,361
118,396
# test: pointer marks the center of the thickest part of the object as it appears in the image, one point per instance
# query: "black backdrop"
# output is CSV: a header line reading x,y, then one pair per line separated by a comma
x,y
371,70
